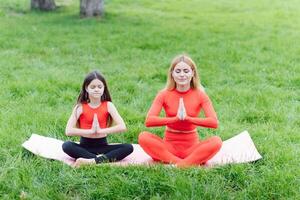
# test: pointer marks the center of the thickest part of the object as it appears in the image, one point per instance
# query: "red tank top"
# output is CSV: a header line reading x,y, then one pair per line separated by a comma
x,y
87,116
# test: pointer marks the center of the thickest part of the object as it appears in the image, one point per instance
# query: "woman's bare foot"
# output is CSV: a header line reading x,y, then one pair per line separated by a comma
x,y
84,161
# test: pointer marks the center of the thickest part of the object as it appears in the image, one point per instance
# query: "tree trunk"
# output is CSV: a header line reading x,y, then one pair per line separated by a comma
x,y
43,4
89,8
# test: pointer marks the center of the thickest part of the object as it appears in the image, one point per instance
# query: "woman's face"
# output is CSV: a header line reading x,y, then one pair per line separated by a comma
x,y
95,89
182,74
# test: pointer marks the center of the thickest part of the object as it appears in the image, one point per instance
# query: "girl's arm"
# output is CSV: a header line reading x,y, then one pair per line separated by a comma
x,y
120,125
71,128
153,118
210,120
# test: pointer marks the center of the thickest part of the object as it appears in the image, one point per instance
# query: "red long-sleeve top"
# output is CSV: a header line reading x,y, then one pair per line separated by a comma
x,y
194,100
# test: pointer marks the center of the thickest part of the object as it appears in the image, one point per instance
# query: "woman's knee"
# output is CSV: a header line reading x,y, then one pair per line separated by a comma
x,y
143,137
217,142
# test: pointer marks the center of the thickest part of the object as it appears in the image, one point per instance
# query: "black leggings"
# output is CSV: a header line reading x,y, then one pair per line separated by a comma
x,y
90,148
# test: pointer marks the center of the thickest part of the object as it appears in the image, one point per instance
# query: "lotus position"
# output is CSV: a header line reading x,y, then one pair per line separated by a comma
x,y
182,100
92,119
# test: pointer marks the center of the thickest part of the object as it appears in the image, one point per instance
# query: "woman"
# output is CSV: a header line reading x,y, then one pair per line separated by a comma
x,y
182,100
94,114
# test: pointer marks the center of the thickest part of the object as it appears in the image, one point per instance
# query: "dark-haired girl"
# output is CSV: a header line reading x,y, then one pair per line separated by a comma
x,y
92,119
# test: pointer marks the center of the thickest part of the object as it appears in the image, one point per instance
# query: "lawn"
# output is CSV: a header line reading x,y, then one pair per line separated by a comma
x,y
247,54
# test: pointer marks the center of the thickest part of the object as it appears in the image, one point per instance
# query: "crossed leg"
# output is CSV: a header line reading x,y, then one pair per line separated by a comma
x,y
201,152
195,155
154,146
88,155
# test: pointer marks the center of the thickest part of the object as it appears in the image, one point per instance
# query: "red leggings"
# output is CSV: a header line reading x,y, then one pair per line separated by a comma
x,y
183,149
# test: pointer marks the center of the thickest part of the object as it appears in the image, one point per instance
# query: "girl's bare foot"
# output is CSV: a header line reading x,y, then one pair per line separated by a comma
x,y
84,161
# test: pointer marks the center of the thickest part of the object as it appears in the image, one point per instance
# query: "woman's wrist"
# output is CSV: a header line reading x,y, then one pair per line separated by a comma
x,y
174,119
188,118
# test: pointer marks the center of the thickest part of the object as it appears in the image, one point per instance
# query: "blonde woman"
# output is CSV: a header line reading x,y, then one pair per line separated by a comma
x,y
182,99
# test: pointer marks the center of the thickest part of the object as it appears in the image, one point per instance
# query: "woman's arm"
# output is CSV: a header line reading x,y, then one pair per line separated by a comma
x,y
210,120
120,125
72,130
153,118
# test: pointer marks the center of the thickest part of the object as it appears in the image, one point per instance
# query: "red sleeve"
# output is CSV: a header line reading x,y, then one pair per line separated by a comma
x,y
153,118
210,120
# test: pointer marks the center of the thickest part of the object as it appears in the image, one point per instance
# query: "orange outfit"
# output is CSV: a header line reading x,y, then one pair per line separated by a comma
x,y
87,116
181,144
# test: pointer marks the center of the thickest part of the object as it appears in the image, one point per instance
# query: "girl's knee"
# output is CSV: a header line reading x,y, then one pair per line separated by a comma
x,y
128,148
67,146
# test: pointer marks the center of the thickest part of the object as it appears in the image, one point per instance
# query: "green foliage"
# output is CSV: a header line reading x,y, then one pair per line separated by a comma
x,y
247,54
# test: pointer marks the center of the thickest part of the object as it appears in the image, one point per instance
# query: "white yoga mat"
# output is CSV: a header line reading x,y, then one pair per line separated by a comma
x,y
238,149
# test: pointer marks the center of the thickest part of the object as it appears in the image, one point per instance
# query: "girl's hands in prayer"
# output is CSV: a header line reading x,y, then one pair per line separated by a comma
x,y
95,124
100,133
97,130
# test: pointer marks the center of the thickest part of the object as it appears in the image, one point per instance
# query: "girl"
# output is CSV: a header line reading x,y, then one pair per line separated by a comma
x,y
182,99
91,119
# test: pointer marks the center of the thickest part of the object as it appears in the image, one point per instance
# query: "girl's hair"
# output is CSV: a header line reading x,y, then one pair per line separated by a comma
x,y
195,82
84,96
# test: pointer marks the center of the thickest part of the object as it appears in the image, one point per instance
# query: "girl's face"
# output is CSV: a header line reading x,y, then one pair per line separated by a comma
x,y
182,74
95,89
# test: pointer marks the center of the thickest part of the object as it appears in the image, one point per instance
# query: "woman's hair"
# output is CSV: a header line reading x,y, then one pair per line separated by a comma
x,y
195,82
84,96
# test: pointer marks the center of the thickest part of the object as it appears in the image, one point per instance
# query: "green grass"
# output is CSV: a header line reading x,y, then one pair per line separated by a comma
x,y
248,59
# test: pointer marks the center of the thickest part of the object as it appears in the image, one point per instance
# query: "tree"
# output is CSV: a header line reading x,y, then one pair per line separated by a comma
x,y
43,4
89,8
